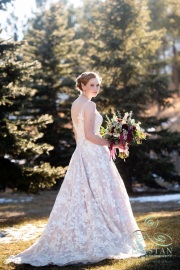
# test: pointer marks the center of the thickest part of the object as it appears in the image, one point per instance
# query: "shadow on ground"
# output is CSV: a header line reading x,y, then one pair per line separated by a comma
x,y
150,263
67,267
163,263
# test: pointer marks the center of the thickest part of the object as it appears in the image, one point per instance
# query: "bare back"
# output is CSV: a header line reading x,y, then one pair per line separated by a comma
x,y
77,106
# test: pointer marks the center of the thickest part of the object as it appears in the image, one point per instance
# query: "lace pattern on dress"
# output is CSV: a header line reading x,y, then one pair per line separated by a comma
x,y
92,218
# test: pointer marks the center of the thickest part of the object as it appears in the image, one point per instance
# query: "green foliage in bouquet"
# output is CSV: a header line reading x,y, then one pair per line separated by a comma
x,y
123,129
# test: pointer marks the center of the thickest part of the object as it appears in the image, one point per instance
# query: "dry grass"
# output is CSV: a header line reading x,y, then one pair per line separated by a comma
x,y
36,213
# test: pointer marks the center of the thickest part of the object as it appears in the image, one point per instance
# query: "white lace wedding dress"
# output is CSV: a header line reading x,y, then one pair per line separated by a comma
x,y
92,217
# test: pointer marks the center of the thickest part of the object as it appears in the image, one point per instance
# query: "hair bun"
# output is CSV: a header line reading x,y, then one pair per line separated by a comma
x,y
78,84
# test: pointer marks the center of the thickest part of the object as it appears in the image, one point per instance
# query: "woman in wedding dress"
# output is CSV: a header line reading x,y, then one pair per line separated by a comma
x,y
91,219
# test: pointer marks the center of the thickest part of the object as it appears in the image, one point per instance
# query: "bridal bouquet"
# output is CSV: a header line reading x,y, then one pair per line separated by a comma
x,y
124,130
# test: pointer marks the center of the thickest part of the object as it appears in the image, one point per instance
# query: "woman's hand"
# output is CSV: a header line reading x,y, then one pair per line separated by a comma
x,y
120,145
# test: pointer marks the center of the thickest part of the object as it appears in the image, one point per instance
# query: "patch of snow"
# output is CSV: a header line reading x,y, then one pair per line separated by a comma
x,y
20,199
62,96
24,233
157,198
174,119
152,129
165,124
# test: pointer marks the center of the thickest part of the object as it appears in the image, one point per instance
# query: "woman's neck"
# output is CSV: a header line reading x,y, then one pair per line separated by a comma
x,y
85,97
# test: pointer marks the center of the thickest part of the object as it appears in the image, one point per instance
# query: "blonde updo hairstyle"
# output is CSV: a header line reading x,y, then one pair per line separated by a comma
x,y
84,78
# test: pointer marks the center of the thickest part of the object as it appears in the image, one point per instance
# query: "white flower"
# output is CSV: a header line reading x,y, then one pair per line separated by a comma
x,y
132,121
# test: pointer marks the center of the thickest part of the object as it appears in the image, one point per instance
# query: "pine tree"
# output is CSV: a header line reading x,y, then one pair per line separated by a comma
x,y
166,14
124,50
19,150
51,41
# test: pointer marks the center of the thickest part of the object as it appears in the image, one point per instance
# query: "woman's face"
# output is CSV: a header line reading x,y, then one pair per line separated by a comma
x,y
92,87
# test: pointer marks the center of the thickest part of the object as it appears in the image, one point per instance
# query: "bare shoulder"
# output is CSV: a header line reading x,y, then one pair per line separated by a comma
x,y
77,105
74,104
90,106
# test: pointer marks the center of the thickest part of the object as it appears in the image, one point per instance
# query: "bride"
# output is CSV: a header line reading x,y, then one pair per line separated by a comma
x,y
92,218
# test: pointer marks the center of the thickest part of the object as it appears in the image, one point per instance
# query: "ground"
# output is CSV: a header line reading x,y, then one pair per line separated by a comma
x,y
23,218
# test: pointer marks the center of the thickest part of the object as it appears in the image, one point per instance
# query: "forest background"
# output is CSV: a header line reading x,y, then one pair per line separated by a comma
x,y
133,44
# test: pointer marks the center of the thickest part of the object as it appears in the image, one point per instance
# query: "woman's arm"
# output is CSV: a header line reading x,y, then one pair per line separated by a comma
x,y
89,121
75,133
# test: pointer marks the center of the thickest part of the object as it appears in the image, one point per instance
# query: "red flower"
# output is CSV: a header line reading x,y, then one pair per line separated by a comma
x,y
124,126
129,136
